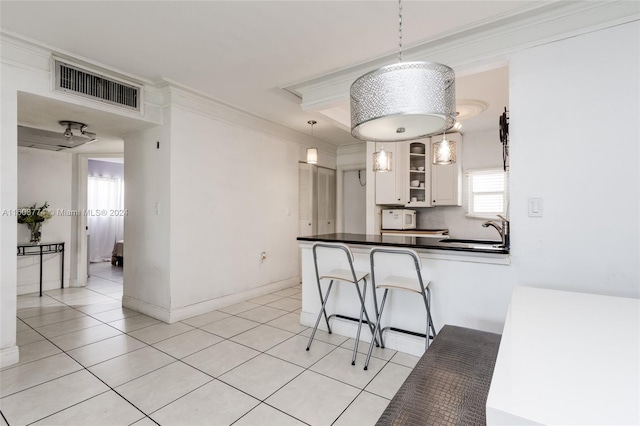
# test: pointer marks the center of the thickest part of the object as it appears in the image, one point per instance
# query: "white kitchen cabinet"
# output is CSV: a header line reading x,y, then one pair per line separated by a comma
x,y
418,183
407,185
446,180
391,187
395,187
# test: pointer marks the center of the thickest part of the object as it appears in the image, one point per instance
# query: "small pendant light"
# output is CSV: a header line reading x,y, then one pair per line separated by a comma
x,y
382,161
312,153
444,152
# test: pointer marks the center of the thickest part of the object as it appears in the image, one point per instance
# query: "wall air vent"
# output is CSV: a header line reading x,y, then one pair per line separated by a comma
x,y
73,79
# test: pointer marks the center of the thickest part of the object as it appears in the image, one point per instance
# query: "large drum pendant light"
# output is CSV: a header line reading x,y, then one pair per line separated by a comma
x,y
403,101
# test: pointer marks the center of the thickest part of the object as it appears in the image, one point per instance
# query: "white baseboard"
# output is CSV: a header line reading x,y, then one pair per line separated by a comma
x,y
402,342
221,302
34,286
157,312
173,315
9,356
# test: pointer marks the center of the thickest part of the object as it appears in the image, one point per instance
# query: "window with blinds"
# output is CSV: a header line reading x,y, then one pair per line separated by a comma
x,y
487,192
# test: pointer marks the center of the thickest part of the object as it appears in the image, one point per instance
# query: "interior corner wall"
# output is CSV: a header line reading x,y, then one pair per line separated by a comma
x,y
8,226
13,78
234,195
574,136
146,226
45,176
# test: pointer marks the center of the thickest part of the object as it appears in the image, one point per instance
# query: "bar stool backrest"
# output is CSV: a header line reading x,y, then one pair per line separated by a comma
x,y
399,262
331,256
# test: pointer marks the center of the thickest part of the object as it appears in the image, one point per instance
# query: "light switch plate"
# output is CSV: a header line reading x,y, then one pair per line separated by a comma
x,y
535,207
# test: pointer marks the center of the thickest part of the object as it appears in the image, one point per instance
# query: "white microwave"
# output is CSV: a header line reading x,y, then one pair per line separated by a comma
x,y
398,219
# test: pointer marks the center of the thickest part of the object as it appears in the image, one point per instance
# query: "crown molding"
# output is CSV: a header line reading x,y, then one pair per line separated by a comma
x,y
175,95
480,45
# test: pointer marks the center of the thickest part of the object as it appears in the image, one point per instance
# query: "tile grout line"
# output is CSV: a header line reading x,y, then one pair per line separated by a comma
x,y
237,315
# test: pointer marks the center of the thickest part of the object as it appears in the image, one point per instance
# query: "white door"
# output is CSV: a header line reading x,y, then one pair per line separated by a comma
x,y
354,201
307,204
326,201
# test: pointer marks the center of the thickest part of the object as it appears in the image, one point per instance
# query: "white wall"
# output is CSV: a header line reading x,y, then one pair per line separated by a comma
x,y
354,200
234,194
8,226
350,158
227,188
574,108
13,79
147,224
25,68
45,176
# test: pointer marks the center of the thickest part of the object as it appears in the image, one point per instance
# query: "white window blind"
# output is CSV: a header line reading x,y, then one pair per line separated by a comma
x,y
487,194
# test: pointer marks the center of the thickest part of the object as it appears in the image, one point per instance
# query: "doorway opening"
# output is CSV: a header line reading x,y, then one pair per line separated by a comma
x,y
105,208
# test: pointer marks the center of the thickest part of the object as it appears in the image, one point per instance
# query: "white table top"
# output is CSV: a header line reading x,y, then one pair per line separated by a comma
x,y
567,358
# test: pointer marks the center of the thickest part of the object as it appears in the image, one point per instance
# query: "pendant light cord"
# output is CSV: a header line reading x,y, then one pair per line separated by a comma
x,y
360,178
399,30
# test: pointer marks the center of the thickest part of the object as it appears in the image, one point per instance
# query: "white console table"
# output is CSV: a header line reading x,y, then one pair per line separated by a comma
x,y
567,359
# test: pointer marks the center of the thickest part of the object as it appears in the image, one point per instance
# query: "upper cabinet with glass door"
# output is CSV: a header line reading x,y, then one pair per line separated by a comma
x,y
418,183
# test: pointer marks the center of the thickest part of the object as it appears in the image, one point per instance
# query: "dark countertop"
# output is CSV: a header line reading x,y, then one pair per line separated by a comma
x,y
417,231
472,246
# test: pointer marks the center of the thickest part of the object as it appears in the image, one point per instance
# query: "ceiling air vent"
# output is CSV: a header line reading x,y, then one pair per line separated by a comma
x,y
71,78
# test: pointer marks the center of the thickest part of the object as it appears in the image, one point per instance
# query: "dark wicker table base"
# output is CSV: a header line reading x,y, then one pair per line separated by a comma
x,y
449,384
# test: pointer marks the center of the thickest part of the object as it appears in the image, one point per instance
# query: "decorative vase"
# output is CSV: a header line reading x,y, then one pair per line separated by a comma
x,y
35,232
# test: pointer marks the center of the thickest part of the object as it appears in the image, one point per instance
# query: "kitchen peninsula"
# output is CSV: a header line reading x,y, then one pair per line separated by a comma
x,y
471,284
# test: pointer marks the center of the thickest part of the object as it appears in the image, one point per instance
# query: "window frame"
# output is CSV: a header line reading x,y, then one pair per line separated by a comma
x,y
469,174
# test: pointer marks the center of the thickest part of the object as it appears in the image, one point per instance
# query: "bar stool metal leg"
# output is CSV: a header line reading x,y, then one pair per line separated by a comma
x,y
430,328
377,326
405,282
345,273
375,305
322,311
362,297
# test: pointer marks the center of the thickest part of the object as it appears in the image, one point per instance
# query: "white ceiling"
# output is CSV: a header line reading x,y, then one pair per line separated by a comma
x,y
245,53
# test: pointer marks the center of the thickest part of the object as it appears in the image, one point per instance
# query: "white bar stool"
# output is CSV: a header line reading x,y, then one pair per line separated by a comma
x,y
393,282
341,257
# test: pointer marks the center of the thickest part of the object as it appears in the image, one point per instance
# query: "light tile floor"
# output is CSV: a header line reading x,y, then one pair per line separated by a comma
x,y
86,360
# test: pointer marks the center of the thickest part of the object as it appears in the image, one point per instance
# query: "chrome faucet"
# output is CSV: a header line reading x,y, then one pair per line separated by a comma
x,y
503,230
